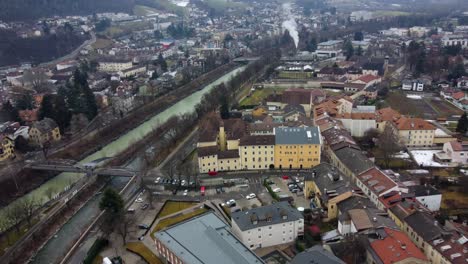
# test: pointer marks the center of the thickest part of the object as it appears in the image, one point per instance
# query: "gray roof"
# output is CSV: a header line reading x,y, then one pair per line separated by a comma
x,y
206,239
46,125
423,190
316,255
424,225
354,160
330,178
245,220
297,135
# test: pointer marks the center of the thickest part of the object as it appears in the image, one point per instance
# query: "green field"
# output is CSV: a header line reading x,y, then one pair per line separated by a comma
x,y
140,10
257,96
220,5
126,28
161,5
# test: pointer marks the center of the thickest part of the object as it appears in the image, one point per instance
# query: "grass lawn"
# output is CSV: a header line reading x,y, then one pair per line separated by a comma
x,y
141,250
176,219
454,199
220,5
258,95
98,259
140,10
127,27
174,207
102,43
14,236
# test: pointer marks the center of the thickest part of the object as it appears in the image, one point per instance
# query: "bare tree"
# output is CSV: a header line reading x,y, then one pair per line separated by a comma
x,y
36,79
50,192
123,227
389,145
28,206
14,214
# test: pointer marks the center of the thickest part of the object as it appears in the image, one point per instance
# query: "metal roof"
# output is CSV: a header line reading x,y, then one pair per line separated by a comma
x,y
297,135
206,239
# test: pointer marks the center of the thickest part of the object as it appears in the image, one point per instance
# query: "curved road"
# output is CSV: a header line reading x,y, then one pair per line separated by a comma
x,y
73,53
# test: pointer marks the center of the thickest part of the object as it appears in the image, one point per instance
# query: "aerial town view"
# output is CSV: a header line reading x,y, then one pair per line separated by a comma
x,y
233,131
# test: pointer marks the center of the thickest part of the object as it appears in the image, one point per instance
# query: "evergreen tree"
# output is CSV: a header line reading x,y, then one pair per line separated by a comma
x,y
359,51
112,202
162,62
11,111
25,102
224,109
358,36
312,45
462,125
47,107
349,50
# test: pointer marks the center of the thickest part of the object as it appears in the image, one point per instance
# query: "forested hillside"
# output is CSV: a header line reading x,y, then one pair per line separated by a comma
x,y
11,10
14,50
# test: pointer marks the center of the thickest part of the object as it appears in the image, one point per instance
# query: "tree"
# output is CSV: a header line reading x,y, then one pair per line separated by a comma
x,y
348,48
312,45
359,51
358,36
457,71
158,35
224,109
162,62
28,206
462,125
389,145
36,79
25,102
11,111
124,225
14,214
369,136
112,202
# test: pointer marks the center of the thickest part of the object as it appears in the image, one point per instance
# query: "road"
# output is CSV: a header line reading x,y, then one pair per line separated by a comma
x,y
72,54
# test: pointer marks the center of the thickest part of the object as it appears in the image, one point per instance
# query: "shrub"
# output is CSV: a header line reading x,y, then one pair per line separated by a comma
x,y
98,245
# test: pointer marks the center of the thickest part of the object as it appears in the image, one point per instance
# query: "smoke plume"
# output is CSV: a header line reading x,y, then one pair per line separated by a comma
x,y
290,24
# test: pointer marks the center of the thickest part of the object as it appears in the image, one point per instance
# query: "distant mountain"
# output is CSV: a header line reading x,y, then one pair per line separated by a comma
x,y
17,10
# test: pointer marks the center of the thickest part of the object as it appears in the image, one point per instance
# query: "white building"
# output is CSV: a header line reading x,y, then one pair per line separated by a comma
x,y
453,151
114,65
428,196
269,225
413,85
452,40
329,49
358,123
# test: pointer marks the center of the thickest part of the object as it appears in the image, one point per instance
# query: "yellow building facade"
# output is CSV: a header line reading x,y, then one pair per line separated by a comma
x,y
297,147
7,148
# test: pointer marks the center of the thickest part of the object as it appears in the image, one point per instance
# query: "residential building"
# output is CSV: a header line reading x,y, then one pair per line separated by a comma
x,y
454,152
385,116
414,132
329,49
297,147
316,254
327,186
412,85
392,246
358,123
269,225
125,73
203,239
7,147
350,160
44,131
375,183
453,40
427,195
257,152
114,65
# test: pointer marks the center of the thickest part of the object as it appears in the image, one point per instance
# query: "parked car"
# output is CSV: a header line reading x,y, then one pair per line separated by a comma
x,y
174,192
185,192
285,177
143,226
158,179
139,200
213,173
295,190
270,183
277,190
183,182
143,207
222,189
218,190
231,203
251,196
131,210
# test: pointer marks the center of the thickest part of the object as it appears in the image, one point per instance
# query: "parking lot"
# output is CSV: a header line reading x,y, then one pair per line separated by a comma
x,y
282,185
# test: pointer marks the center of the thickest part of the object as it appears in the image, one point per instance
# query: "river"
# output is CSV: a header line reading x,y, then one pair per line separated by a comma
x,y
186,105
58,246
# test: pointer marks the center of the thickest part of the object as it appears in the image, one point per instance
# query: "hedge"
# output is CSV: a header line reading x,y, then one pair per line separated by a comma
x,y
98,245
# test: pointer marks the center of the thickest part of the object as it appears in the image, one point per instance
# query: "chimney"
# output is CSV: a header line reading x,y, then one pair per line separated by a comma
x,y
403,246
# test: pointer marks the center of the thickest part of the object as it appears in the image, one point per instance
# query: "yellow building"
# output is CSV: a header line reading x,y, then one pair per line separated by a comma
x,y
7,148
326,186
414,132
257,152
297,147
44,131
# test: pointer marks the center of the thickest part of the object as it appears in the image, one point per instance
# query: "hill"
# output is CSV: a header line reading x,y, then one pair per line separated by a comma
x,y
23,10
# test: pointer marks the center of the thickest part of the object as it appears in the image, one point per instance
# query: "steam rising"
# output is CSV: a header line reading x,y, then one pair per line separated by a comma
x,y
290,24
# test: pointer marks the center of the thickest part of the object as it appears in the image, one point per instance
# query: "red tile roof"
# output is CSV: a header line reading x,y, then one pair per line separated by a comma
x,y
368,78
458,96
395,247
413,123
376,181
387,114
